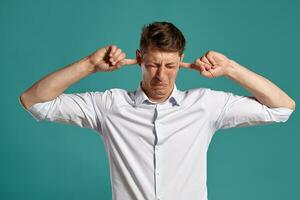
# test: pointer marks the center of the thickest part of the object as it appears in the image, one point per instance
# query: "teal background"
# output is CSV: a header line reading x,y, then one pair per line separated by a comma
x,y
54,161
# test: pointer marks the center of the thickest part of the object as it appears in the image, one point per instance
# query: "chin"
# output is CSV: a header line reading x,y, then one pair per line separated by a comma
x,y
160,91
160,88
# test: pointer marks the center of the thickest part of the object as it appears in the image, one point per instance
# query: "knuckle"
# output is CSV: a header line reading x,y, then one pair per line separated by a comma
x,y
209,53
123,55
113,47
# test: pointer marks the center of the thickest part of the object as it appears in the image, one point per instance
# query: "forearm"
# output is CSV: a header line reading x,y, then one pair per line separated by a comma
x,y
261,88
55,83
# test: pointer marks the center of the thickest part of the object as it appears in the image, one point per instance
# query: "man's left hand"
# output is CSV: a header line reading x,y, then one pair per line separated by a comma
x,y
210,65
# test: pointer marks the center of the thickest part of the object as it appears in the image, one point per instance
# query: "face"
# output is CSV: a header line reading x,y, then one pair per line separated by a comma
x,y
159,71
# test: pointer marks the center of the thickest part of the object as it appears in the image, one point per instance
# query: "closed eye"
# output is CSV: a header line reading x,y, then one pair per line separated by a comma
x,y
150,65
153,65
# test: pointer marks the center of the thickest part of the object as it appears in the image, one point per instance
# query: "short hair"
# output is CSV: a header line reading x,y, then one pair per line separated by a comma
x,y
163,36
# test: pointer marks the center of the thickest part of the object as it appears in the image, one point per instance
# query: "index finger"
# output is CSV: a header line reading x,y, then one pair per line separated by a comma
x,y
129,62
186,65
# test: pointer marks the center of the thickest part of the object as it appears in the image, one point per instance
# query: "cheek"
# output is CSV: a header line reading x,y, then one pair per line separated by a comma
x,y
151,72
148,73
172,74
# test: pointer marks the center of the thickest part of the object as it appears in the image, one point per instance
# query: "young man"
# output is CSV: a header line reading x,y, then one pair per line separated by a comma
x,y
157,137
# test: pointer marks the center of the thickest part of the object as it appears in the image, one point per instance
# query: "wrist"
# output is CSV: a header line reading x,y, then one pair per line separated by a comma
x,y
85,67
232,69
89,66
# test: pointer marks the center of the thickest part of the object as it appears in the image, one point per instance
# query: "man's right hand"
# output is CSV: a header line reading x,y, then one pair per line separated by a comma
x,y
109,58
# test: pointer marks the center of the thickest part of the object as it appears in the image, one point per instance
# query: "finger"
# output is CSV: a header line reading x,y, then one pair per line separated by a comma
x,y
209,57
114,58
206,61
207,73
129,61
117,53
107,49
186,65
121,56
202,68
119,62
200,62
197,67
112,50
207,66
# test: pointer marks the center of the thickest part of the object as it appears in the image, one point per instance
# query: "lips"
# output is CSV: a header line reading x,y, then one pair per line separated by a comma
x,y
160,84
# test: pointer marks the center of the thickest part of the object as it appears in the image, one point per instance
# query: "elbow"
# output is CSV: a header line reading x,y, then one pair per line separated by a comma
x,y
292,105
24,100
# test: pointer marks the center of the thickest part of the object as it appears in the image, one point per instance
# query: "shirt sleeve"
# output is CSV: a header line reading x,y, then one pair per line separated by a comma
x,y
83,109
233,110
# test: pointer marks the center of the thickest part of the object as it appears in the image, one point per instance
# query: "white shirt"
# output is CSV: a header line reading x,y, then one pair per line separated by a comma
x,y
157,151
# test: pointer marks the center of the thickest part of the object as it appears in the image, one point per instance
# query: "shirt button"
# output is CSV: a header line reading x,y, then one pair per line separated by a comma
x,y
156,147
157,172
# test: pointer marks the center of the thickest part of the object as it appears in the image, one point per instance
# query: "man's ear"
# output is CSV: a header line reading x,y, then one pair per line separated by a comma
x,y
138,57
181,57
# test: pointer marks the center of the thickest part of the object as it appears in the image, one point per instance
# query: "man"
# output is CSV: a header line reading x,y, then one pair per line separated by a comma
x,y
157,137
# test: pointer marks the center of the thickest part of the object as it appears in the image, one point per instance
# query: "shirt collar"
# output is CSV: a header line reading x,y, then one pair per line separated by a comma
x,y
140,96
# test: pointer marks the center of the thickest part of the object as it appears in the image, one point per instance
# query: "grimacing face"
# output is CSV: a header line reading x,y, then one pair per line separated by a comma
x,y
159,70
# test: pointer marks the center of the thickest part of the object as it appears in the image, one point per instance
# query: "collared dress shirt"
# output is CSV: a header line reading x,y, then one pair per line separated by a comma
x,y
157,151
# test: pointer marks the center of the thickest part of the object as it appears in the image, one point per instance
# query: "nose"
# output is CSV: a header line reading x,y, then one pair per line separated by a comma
x,y
160,72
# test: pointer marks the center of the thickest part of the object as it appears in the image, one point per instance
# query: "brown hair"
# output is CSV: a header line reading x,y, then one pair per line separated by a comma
x,y
163,36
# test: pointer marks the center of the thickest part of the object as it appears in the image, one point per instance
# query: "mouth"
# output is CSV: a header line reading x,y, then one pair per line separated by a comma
x,y
160,84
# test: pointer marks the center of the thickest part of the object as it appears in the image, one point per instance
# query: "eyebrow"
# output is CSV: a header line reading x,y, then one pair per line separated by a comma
x,y
172,63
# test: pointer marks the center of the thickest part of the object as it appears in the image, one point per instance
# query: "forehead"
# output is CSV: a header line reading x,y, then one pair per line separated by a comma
x,y
160,56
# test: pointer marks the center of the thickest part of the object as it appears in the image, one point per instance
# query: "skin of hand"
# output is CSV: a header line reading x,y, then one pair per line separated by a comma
x,y
109,58
210,65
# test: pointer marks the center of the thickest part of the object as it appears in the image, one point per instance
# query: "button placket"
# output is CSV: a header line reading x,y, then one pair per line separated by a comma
x,y
156,154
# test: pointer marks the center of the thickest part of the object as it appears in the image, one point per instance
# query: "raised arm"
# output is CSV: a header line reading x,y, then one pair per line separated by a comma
x,y
214,64
261,88
105,59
